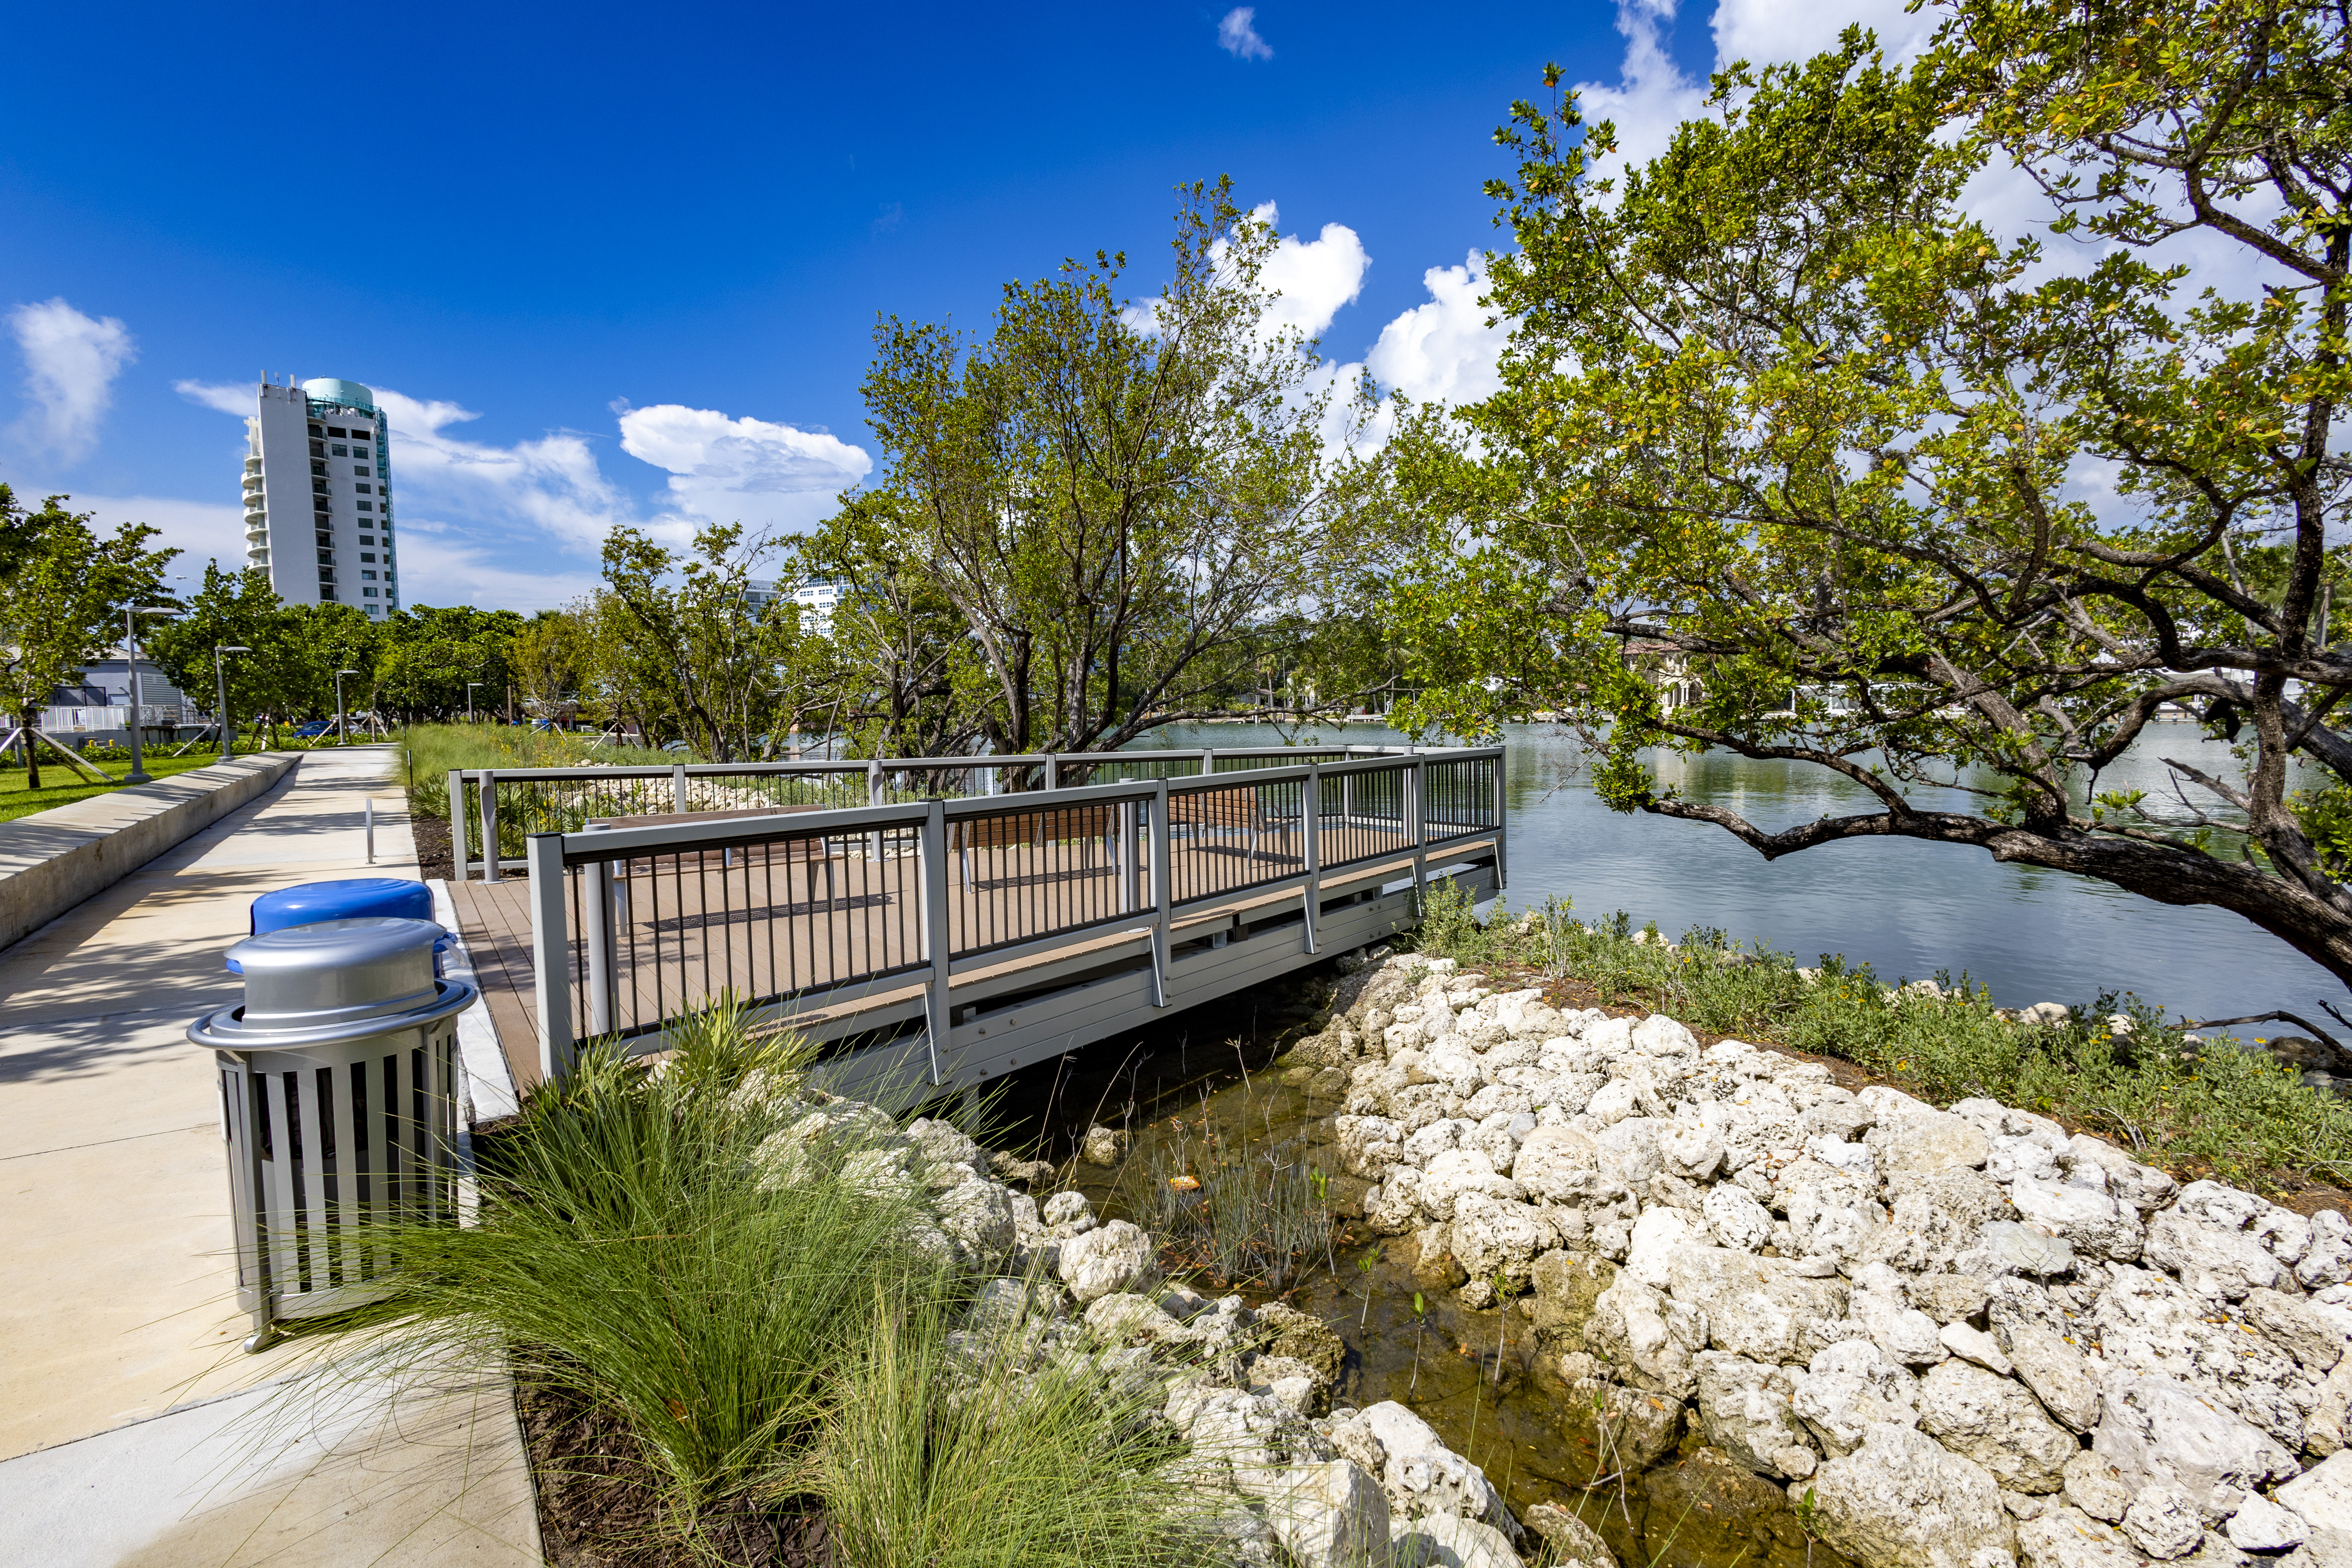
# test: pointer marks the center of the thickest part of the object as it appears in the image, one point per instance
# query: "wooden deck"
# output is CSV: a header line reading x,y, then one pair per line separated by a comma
x,y
1052,947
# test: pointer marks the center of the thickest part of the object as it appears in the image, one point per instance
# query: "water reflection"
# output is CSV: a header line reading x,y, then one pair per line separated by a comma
x,y
1909,909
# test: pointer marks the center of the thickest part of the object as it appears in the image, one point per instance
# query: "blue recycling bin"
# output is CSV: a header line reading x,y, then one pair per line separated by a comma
x,y
350,898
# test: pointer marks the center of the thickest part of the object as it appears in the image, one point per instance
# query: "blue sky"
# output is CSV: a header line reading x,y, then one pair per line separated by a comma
x,y
614,264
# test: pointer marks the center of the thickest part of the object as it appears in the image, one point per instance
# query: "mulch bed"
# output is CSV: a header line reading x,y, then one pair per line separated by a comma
x,y
598,1506
2288,1189
432,856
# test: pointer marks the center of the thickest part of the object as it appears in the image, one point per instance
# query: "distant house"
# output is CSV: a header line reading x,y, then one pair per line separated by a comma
x,y
97,706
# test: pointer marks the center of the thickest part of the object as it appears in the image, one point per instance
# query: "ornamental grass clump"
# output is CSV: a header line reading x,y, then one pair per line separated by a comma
x,y
952,1450
635,1250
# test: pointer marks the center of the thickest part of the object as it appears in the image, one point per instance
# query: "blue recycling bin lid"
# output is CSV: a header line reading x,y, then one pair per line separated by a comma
x,y
352,898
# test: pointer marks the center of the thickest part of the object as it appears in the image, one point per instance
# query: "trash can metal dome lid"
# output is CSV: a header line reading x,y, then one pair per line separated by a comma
x,y
332,979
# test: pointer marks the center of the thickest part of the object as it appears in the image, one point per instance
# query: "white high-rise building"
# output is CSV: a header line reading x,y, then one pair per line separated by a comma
x,y
317,496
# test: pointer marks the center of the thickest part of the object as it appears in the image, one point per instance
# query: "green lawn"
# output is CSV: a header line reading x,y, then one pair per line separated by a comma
x,y
62,782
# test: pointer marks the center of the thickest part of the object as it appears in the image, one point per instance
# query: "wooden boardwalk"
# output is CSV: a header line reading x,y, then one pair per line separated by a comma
x,y
843,925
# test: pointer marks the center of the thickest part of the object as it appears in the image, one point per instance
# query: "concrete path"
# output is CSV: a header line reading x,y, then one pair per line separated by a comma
x,y
128,1416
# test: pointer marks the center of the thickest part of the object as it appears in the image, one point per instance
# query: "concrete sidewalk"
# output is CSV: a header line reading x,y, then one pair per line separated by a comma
x,y
121,1386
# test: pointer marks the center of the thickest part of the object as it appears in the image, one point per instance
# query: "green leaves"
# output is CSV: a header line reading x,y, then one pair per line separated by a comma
x,y
1793,456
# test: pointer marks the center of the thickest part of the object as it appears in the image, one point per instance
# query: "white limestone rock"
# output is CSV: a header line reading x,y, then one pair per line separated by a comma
x,y
1761,1308
1847,1389
2088,1221
1903,1500
1737,1220
2322,1498
1421,1475
2327,1261
2062,1376
1445,1541
2162,1520
2223,1264
1652,1340
1115,1257
2152,1428
2262,1525
1744,1409
1925,1144
1994,1421
1330,1515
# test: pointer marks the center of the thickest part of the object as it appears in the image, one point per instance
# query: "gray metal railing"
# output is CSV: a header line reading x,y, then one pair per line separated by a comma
x,y
506,806
803,906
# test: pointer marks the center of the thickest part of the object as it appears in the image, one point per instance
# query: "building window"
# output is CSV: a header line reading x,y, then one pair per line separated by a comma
x,y
364,505
326,558
369,575
342,451
364,489
366,554
326,591
367,539
315,430
318,448
361,472
368,591
335,430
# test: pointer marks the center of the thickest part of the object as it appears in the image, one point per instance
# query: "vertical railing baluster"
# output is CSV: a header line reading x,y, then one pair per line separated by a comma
x,y
1416,782
678,786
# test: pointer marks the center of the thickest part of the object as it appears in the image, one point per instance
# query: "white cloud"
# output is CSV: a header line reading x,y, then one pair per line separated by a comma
x,y
552,483
228,397
437,568
1313,277
1237,35
200,531
1762,30
1444,351
768,477
70,364
1653,96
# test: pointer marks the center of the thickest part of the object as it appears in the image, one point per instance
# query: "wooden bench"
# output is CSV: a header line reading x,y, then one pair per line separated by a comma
x,y
815,854
1233,809
1034,829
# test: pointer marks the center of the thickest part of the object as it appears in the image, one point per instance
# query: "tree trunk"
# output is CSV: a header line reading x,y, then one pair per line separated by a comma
x,y
32,753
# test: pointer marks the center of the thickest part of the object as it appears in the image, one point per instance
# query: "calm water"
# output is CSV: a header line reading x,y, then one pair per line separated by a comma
x,y
1907,909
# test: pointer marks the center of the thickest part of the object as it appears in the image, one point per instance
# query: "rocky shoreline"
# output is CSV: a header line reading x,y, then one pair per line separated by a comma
x,y
1957,1337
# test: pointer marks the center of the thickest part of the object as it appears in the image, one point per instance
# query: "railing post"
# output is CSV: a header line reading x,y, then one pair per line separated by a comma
x,y
874,794
1053,771
1311,822
551,957
936,939
458,854
678,786
1163,897
1502,831
1416,784
490,826
596,922
1208,761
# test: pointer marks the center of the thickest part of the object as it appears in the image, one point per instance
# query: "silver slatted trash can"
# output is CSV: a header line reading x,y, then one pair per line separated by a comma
x,y
339,1099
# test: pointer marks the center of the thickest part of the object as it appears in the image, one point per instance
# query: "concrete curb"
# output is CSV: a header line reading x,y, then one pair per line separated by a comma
x,y
53,859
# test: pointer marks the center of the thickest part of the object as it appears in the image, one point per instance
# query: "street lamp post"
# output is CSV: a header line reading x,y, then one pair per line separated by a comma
x,y
469,699
138,774
343,732
220,689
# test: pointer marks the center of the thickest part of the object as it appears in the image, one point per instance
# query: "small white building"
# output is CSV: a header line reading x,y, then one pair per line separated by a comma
x,y
317,495
97,707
